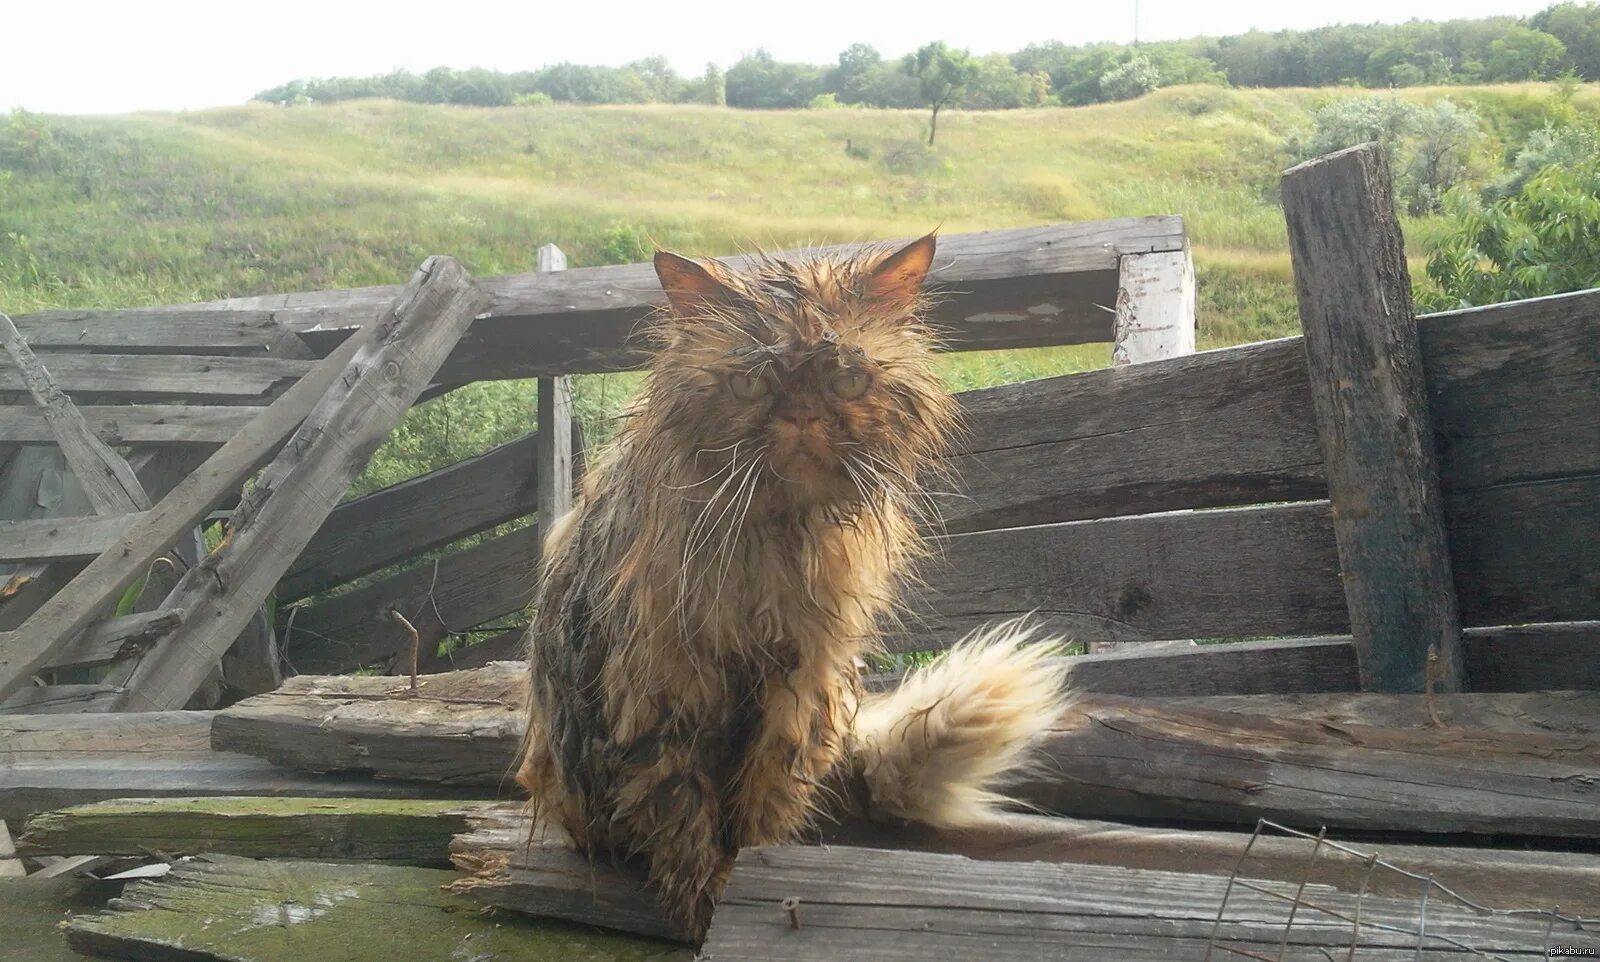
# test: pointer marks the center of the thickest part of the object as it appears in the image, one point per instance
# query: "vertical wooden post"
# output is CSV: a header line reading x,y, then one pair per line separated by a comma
x,y
554,451
1155,307
1155,319
1372,416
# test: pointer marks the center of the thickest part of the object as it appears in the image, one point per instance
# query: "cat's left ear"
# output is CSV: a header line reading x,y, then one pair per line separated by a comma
x,y
690,285
899,279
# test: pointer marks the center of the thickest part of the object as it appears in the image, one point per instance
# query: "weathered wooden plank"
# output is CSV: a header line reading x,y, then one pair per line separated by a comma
x,y
136,423
113,639
555,427
398,522
172,332
386,830
243,910
1512,389
61,698
452,593
105,478
70,611
1155,307
59,539
1532,713
165,375
63,736
509,645
1371,405
1137,759
888,906
297,491
1522,554
460,727
32,782
10,865
1526,658
1002,289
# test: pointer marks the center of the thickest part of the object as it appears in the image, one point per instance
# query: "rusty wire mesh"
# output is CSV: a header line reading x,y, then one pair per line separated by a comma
x,y
1309,904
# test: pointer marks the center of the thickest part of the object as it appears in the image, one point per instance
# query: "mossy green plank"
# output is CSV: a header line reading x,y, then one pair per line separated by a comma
x,y
241,910
400,831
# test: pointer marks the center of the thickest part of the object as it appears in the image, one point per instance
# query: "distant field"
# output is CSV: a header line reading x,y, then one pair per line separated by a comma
x,y
167,208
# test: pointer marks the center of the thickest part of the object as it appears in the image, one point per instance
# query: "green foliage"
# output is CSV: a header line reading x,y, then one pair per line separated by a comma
x,y
941,74
759,80
1568,146
713,87
825,102
1545,239
1132,78
625,244
1523,54
1577,26
537,98
1431,149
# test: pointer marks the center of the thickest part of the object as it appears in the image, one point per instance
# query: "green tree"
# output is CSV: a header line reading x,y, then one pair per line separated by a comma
x,y
1132,78
1523,54
1577,26
941,74
761,81
1543,240
713,87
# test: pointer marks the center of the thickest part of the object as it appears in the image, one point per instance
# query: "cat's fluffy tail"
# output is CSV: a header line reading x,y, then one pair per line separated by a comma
x,y
938,749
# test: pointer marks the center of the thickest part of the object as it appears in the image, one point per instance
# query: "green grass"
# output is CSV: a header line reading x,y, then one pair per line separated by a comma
x,y
169,208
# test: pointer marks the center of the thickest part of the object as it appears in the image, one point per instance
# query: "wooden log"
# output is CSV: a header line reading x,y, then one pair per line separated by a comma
x,y
398,522
1134,759
61,698
1526,713
59,539
173,332
887,906
136,423
1371,405
297,491
460,728
68,612
243,910
1155,307
453,593
399,831
106,479
531,871
1526,658
170,376
1002,289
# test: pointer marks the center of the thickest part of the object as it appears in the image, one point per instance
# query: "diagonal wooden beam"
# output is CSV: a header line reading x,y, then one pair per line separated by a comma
x,y
109,483
396,359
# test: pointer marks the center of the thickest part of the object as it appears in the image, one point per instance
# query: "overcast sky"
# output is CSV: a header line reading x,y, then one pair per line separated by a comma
x,y
70,56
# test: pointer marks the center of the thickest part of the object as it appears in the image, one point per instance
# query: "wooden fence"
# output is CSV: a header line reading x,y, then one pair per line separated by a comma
x,y
1389,502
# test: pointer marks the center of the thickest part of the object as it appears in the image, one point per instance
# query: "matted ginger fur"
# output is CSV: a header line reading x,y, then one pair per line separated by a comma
x,y
702,608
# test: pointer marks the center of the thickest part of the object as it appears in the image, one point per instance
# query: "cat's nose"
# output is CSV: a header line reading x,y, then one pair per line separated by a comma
x,y
802,420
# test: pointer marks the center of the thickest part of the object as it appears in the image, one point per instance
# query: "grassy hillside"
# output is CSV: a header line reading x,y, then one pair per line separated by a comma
x,y
166,208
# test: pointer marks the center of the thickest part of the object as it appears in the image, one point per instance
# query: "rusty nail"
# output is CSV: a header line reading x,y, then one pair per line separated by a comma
x,y
792,906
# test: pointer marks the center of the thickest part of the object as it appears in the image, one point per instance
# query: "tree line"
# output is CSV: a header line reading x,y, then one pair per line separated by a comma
x,y
1562,40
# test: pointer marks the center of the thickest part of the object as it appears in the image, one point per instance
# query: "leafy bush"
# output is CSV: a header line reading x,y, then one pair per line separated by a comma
x,y
1134,78
537,98
1431,149
1545,239
625,244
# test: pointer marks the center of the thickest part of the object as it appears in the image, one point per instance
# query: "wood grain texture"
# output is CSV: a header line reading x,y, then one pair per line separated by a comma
x,y
1368,394
244,910
461,728
1155,307
383,830
63,736
44,699
160,424
888,906
1527,658
114,639
170,332
295,493
60,539
194,377
1014,288
454,593
105,478
398,522
69,611
1142,759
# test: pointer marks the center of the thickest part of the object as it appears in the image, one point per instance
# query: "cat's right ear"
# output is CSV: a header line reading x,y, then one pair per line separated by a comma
x,y
690,286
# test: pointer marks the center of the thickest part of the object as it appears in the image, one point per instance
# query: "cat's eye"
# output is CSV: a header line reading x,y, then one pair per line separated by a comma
x,y
748,387
851,384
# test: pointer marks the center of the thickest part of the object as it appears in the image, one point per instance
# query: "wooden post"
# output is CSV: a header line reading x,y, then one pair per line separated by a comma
x,y
1155,307
554,462
1155,319
1372,416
